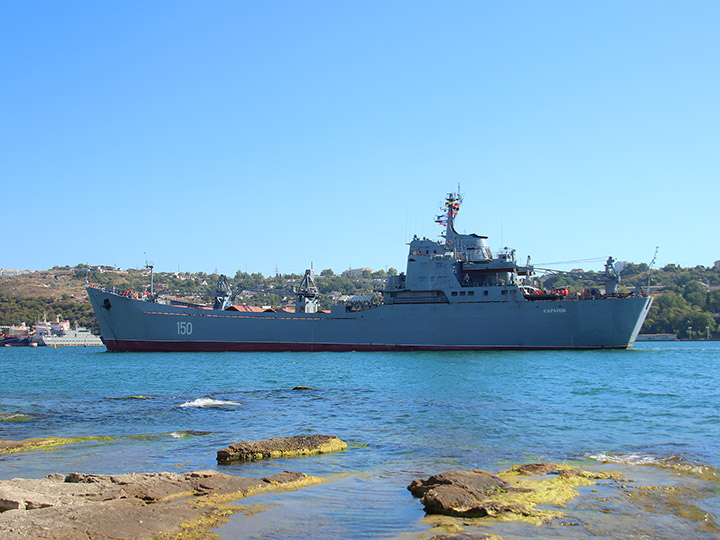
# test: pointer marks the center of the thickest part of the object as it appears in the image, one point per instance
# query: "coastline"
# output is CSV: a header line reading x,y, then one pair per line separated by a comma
x,y
525,501
135,505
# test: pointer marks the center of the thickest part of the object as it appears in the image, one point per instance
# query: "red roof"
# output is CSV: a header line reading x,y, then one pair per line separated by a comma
x,y
254,309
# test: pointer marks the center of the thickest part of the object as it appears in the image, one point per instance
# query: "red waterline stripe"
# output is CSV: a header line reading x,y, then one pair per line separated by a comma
x,y
229,346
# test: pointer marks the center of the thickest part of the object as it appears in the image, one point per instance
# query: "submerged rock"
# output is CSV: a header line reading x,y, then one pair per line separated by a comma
x,y
300,445
44,443
137,505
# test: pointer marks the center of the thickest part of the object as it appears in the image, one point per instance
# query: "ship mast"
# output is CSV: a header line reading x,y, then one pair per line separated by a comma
x,y
150,266
447,218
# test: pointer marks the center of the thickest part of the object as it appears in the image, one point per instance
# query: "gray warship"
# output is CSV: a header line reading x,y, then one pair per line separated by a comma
x,y
454,295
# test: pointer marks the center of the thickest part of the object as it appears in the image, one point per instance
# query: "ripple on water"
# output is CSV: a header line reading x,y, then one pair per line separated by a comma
x,y
15,417
674,462
322,511
209,402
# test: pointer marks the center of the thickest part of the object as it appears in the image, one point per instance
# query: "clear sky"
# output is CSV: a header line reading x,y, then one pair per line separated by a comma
x,y
249,135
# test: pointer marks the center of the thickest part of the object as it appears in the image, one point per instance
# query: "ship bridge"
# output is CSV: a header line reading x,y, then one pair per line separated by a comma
x,y
459,269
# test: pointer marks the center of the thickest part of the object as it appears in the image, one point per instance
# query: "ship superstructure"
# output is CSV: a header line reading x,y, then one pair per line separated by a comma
x,y
454,295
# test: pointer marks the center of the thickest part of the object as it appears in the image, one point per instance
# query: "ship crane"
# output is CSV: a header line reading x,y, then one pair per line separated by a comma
x,y
306,300
610,277
223,294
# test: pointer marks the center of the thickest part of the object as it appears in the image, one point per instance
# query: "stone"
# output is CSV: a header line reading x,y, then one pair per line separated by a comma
x,y
474,481
137,505
457,501
536,469
471,493
300,445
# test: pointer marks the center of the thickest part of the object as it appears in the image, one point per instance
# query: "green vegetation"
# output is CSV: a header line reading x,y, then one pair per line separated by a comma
x,y
17,309
687,300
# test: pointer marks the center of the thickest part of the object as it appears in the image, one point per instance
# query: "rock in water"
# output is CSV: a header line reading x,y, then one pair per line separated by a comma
x,y
465,493
135,505
476,482
300,445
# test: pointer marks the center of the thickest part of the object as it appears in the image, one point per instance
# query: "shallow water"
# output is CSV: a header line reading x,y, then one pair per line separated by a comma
x,y
652,412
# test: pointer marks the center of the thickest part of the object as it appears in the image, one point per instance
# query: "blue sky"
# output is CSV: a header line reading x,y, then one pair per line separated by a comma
x,y
237,135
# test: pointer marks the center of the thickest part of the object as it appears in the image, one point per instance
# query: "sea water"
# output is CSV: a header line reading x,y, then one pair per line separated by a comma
x,y
652,413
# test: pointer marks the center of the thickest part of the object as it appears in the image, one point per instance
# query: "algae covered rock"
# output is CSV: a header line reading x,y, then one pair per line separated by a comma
x,y
513,495
474,481
536,469
300,445
470,493
45,443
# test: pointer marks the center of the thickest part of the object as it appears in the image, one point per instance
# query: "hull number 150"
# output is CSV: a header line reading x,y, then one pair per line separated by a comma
x,y
184,328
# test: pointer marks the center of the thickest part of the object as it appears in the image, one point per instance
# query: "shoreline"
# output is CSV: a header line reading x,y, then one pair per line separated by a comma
x,y
133,505
611,495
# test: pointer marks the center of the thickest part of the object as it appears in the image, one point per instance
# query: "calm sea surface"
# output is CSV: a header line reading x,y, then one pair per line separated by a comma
x,y
652,413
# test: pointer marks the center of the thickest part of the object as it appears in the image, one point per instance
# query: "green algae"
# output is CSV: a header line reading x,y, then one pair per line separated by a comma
x,y
45,443
199,528
555,490
553,487
219,511
217,499
609,504
51,443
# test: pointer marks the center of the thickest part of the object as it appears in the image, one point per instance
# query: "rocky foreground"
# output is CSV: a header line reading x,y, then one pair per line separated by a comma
x,y
142,505
188,506
139,505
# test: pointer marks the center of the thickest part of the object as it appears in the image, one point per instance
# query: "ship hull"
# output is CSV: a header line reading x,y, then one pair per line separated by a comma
x,y
127,324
